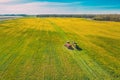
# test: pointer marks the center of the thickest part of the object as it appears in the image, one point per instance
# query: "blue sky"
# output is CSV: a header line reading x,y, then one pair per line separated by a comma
x,y
59,6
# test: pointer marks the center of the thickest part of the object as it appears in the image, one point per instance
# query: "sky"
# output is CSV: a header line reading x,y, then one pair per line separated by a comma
x,y
59,6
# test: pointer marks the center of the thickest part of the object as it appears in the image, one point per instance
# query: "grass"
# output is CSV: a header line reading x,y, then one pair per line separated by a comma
x,y
33,49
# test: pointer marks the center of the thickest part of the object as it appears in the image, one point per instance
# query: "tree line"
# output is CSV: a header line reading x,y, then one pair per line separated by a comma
x,y
101,17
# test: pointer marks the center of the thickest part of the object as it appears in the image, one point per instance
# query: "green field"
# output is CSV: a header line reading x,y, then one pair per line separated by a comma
x,y
33,49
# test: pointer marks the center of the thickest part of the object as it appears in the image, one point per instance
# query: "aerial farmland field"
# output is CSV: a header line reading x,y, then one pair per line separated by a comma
x,y
33,49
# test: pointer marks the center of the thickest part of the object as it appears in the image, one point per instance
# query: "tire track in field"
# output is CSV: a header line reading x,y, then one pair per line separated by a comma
x,y
6,39
95,67
56,69
99,73
37,57
11,57
107,62
27,55
54,61
9,47
31,62
62,34
48,64
9,41
20,41
83,62
22,58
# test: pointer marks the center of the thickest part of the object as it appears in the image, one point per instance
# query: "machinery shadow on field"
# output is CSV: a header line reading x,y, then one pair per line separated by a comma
x,y
78,48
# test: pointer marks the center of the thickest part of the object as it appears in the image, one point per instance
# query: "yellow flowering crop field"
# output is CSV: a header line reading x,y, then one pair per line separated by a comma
x,y
33,49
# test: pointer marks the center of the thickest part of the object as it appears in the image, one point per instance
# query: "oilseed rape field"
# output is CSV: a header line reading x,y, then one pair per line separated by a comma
x,y
33,49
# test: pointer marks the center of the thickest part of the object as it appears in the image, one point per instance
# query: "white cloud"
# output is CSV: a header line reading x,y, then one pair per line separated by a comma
x,y
37,8
6,1
49,8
